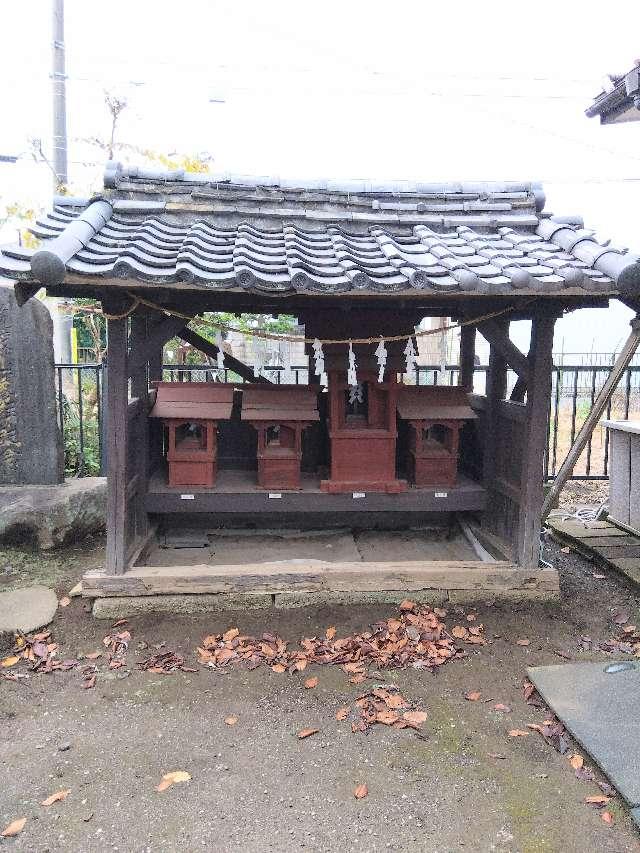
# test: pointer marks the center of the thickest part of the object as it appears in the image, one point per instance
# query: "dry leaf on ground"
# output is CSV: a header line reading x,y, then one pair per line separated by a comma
x,y
303,733
173,778
14,828
607,817
414,718
459,632
473,695
56,798
12,660
523,641
65,601
407,604
500,706
517,733
279,667
93,655
360,792
576,761
343,713
597,800
330,633
231,720
310,683
229,635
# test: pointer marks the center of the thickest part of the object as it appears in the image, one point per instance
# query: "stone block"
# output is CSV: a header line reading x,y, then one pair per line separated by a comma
x,y
27,609
126,606
30,442
285,600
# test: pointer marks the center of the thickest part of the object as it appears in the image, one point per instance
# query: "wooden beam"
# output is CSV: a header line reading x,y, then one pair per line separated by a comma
x,y
495,391
493,332
116,441
314,576
467,357
137,343
527,551
162,331
599,405
205,346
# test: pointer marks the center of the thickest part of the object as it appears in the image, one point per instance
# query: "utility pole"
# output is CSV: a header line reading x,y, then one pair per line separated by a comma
x,y
62,320
59,81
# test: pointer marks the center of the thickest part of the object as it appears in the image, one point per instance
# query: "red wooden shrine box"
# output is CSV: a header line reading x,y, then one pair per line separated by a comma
x,y
435,414
362,434
279,414
190,411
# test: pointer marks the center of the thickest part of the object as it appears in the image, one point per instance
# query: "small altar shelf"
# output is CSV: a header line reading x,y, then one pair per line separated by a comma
x,y
279,415
435,414
190,411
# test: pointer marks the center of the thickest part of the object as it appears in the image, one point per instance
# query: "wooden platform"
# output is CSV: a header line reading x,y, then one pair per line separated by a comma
x,y
601,541
238,492
317,576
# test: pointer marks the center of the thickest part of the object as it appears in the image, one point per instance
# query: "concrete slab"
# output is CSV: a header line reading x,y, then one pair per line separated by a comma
x,y
389,546
598,703
287,600
27,609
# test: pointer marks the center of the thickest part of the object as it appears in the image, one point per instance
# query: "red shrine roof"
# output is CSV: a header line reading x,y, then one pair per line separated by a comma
x,y
208,233
278,403
434,402
193,401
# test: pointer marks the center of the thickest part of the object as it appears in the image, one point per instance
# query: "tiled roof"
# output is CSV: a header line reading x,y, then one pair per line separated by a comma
x,y
235,233
621,103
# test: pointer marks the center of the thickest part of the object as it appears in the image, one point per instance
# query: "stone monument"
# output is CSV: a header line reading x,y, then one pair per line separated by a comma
x,y
30,443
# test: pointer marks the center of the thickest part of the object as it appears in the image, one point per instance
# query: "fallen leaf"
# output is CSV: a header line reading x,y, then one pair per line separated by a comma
x,y
607,817
459,632
310,683
523,641
119,623
12,660
565,550
343,713
14,828
387,718
65,601
471,617
629,629
576,761
231,721
307,733
56,798
279,667
473,696
598,576
414,718
407,605
229,635
301,664
357,679
597,800
330,633
517,733
93,655
173,778
499,706
360,792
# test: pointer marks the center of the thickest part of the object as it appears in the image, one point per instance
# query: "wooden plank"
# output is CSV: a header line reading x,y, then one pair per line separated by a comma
x,y
585,530
467,357
313,576
495,388
116,440
493,331
205,346
156,337
535,441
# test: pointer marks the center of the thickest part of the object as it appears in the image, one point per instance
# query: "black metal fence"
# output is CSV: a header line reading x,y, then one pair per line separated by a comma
x,y
574,388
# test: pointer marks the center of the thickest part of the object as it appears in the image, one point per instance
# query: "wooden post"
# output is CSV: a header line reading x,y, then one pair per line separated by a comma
x,y
467,357
139,426
116,439
527,550
495,391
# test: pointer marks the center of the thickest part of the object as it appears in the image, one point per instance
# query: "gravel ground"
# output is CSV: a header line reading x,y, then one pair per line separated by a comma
x,y
255,786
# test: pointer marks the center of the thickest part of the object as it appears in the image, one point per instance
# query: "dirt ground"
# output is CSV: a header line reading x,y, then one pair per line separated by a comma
x,y
255,786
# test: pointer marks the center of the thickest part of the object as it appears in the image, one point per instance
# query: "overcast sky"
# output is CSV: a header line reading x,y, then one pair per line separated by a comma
x,y
342,89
